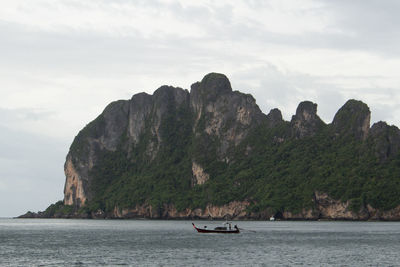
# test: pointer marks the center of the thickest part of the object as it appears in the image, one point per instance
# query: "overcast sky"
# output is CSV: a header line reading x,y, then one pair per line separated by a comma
x,y
63,61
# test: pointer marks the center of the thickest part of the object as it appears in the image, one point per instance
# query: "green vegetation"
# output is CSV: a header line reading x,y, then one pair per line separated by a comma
x,y
58,209
125,181
270,168
276,175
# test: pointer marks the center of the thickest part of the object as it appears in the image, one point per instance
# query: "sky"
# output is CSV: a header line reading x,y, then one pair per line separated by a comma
x,y
63,61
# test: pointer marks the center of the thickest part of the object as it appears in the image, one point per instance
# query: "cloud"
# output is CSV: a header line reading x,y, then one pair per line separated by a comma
x,y
366,25
112,18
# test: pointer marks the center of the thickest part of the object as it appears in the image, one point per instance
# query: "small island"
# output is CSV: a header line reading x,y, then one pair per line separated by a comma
x,y
211,153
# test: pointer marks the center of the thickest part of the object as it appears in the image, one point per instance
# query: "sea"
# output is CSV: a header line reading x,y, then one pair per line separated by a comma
x,y
70,242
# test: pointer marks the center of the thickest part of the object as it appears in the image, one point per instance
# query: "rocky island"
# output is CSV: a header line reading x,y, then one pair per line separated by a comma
x,y
211,153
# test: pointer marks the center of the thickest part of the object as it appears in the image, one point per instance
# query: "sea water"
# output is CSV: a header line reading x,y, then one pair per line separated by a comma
x,y
54,242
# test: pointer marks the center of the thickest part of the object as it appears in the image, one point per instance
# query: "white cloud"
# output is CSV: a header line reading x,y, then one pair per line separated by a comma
x,y
114,18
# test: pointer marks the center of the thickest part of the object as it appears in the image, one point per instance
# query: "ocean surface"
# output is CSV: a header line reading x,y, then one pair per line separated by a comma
x,y
54,242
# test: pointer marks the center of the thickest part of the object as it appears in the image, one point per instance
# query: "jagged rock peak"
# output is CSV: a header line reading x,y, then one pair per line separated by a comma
x,y
211,88
169,90
169,93
353,118
212,85
274,117
306,111
141,95
386,139
217,82
110,124
378,128
306,121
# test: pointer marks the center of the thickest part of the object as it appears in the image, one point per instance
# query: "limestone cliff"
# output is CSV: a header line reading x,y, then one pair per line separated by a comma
x,y
306,121
352,119
211,153
199,176
274,118
234,210
218,114
101,134
387,140
73,191
327,208
222,113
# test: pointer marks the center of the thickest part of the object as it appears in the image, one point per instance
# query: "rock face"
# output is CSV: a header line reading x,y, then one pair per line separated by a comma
x,y
352,119
73,191
222,113
200,177
101,134
234,210
327,208
217,111
200,131
274,118
387,140
306,122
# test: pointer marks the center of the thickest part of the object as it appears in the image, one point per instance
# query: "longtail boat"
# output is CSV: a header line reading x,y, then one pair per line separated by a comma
x,y
226,229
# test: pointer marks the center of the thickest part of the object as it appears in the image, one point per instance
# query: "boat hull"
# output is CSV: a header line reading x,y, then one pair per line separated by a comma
x,y
232,231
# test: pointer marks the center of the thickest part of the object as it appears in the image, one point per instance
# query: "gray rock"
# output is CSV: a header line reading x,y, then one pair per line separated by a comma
x,y
306,121
274,118
353,119
386,140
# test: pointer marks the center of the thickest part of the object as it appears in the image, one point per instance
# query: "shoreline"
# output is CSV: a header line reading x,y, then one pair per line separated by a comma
x,y
203,219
